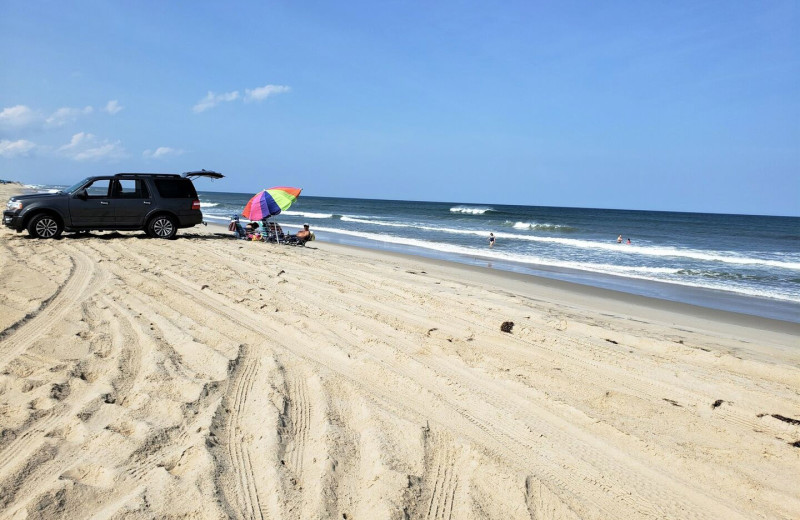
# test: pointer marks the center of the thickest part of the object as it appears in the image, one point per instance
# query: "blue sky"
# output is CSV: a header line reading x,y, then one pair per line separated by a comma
x,y
685,106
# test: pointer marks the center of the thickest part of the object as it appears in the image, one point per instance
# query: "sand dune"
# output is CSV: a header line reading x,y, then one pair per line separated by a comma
x,y
211,378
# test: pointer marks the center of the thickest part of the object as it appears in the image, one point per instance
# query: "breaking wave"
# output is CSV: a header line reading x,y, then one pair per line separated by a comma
x,y
471,210
535,226
308,214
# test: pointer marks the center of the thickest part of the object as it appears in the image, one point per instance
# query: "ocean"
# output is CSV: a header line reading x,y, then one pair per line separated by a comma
x,y
741,263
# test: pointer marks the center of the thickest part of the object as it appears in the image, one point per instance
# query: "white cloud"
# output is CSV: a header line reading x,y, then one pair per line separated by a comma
x,y
15,148
162,151
261,93
17,116
86,147
113,106
211,100
66,115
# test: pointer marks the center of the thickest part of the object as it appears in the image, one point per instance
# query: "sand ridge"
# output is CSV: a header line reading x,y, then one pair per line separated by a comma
x,y
212,378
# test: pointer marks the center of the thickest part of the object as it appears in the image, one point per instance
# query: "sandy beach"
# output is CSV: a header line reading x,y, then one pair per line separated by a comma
x,y
212,378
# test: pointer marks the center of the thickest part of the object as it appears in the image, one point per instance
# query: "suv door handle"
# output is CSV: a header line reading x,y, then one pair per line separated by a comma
x,y
104,203
147,202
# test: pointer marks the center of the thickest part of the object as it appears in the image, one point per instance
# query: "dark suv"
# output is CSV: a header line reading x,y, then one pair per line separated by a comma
x,y
157,203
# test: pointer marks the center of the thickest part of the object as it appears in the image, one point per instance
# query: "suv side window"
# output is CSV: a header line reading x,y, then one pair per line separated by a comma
x,y
98,189
176,188
130,189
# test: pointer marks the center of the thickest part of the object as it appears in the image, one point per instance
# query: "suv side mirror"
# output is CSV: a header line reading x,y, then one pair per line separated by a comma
x,y
82,194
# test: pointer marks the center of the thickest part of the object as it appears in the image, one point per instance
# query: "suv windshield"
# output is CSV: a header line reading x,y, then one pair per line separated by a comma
x,y
75,186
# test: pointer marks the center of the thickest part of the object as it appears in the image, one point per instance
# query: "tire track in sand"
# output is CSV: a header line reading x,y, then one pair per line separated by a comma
x,y
246,493
70,294
300,415
521,440
440,482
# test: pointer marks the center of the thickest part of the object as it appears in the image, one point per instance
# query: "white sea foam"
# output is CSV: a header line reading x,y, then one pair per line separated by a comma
x,y
471,210
209,204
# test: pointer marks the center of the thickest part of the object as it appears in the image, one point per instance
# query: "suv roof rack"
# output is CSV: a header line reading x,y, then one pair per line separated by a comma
x,y
189,175
203,173
146,174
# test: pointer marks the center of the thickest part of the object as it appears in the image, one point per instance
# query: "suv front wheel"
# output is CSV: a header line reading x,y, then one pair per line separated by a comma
x,y
45,226
162,226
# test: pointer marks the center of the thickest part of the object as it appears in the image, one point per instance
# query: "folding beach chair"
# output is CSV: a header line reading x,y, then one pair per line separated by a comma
x,y
237,228
293,240
274,232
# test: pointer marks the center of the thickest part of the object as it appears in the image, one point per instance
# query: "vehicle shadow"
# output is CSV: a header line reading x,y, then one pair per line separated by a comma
x,y
115,235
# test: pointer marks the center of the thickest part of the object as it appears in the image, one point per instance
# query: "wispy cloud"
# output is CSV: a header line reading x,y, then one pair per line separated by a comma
x,y
262,93
87,147
256,94
66,115
17,116
162,151
15,148
21,116
211,100
113,106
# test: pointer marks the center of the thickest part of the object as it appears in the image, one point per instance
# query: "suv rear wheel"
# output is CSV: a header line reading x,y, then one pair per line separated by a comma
x,y
45,226
162,226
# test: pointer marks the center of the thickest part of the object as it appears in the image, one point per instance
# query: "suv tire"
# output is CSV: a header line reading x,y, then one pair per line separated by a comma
x,y
162,226
45,226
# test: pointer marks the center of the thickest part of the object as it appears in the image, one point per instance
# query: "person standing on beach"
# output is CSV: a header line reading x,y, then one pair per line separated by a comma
x,y
491,239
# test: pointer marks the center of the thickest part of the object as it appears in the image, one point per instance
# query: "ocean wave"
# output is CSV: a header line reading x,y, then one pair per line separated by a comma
x,y
346,218
209,204
594,245
308,214
471,210
654,274
535,226
720,275
42,188
655,251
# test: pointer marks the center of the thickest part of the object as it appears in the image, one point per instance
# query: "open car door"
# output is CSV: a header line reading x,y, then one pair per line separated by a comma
x,y
203,173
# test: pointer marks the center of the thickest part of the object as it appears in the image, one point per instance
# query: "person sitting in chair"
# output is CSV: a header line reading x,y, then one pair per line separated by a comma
x,y
304,235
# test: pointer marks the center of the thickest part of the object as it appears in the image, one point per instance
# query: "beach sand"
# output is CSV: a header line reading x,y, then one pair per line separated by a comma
x,y
212,378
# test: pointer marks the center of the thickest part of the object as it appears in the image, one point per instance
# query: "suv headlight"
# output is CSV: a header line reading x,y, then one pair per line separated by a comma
x,y
14,205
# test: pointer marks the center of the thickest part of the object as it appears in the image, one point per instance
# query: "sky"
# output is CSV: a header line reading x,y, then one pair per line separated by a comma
x,y
678,106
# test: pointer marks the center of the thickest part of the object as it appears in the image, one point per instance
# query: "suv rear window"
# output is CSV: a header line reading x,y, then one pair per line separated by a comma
x,y
176,188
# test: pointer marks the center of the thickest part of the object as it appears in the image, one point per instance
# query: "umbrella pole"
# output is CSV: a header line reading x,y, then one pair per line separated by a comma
x,y
269,230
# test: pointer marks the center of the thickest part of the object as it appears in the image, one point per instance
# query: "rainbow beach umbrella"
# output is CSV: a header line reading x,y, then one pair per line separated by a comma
x,y
270,202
